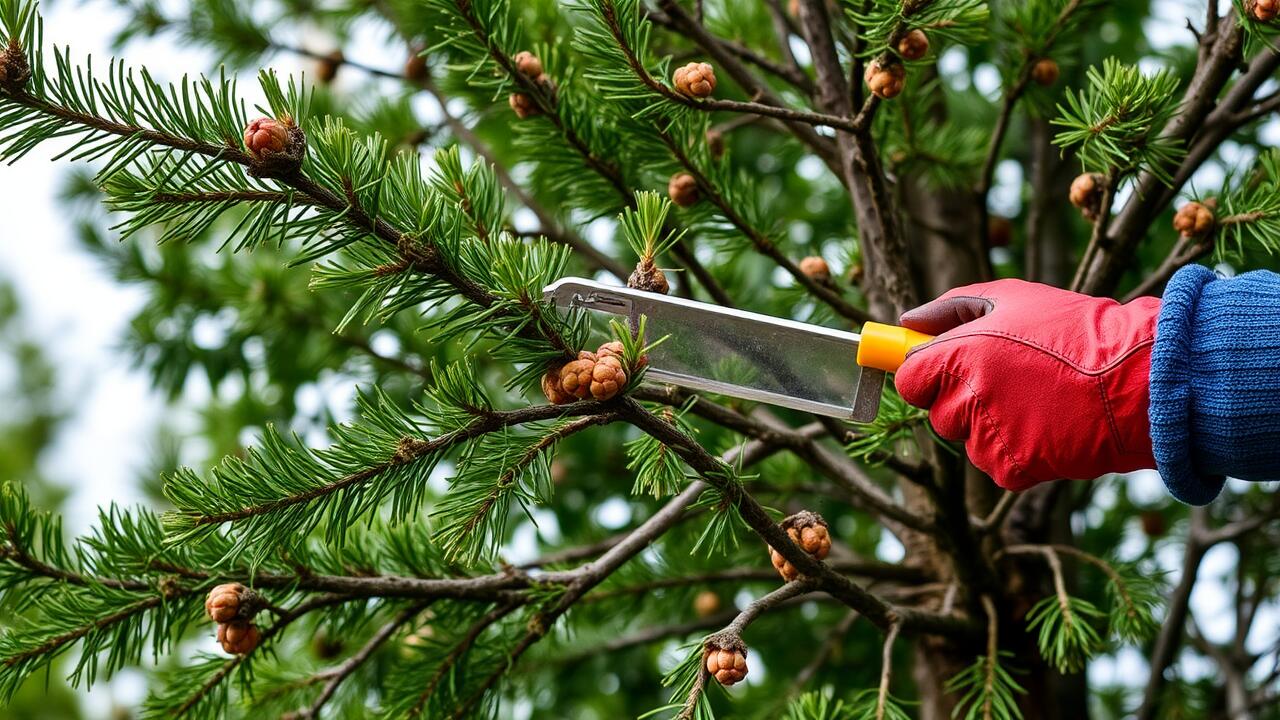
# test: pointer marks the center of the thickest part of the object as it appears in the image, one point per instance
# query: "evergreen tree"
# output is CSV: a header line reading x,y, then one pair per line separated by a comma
x,y
831,162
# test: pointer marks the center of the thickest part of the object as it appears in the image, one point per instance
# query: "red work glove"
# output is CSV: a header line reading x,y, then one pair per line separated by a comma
x,y
1039,383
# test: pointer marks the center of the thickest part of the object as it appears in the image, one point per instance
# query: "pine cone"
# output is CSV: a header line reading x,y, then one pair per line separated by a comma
x,y
327,68
726,660
607,377
649,277
715,143
552,389
1193,220
1263,10
575,376
682,188
914,45
230,601
524,105
276,145
528,64
1045,72
706,604
1086,194
816,268
613,348
15,70
999,231
415,68
238,638
697,80
809,531
885,80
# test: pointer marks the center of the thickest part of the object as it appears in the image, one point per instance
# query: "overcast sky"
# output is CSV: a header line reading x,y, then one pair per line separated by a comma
x,y
79,313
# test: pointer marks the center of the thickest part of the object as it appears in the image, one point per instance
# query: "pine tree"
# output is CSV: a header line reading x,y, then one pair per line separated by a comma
x,y
831,162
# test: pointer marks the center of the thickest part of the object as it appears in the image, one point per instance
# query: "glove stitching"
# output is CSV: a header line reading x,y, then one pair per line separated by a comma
x,y
1111,418
1004,445
1111,365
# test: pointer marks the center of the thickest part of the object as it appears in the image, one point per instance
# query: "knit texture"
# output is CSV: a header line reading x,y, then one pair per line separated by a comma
x,y
1215,382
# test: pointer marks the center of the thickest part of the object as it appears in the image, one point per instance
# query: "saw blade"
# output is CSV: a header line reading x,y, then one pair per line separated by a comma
x,y
737,353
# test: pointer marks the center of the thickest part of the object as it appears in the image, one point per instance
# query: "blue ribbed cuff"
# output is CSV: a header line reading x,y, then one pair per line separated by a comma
x,y
1172,403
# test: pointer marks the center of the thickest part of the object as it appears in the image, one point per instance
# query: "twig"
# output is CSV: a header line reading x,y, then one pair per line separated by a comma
x,y
336,675
993,655
886,671
992,522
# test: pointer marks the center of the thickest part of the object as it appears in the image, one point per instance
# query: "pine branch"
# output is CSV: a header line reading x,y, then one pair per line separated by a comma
x,y
609,12
713,472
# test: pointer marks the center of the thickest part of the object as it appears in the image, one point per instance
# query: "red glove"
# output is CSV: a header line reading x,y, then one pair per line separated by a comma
x,y
1039,383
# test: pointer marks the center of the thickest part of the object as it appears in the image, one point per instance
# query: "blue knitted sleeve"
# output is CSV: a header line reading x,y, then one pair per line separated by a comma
x,y
1215,382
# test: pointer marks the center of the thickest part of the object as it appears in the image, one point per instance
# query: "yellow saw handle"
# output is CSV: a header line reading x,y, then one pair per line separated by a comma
x,y
884,347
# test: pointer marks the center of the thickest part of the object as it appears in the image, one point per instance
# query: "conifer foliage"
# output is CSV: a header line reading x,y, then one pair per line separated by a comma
x,y
453,548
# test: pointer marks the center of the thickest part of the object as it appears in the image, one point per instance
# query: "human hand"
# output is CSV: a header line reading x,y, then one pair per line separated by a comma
x,y
1038,383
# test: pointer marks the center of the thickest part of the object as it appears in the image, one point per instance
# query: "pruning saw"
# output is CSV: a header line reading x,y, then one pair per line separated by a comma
x,y
752,356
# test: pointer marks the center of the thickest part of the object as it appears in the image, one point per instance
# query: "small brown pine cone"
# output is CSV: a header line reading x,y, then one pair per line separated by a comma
x,y
682,188
1086,194
726,659
415,68
649,277
329,65
276,145
706,604
715,143
523,105
1193,220
228,602
816,268
15,70
528,64
999,231
1045,72
575,376
809,531
607,377
1263,10
551,388
238,638
697,80
913,45
885,80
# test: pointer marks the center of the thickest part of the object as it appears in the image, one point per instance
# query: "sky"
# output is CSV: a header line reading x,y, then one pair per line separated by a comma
x,y
79,315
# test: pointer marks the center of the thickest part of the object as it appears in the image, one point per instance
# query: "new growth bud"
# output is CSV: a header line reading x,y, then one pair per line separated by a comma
x,y
1086,194
1045,72
726,659
277,146
15,70
1193,220
238,638
682,188
809,531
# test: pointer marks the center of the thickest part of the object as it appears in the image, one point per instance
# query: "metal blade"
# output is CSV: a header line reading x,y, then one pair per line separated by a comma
x,y
739,354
